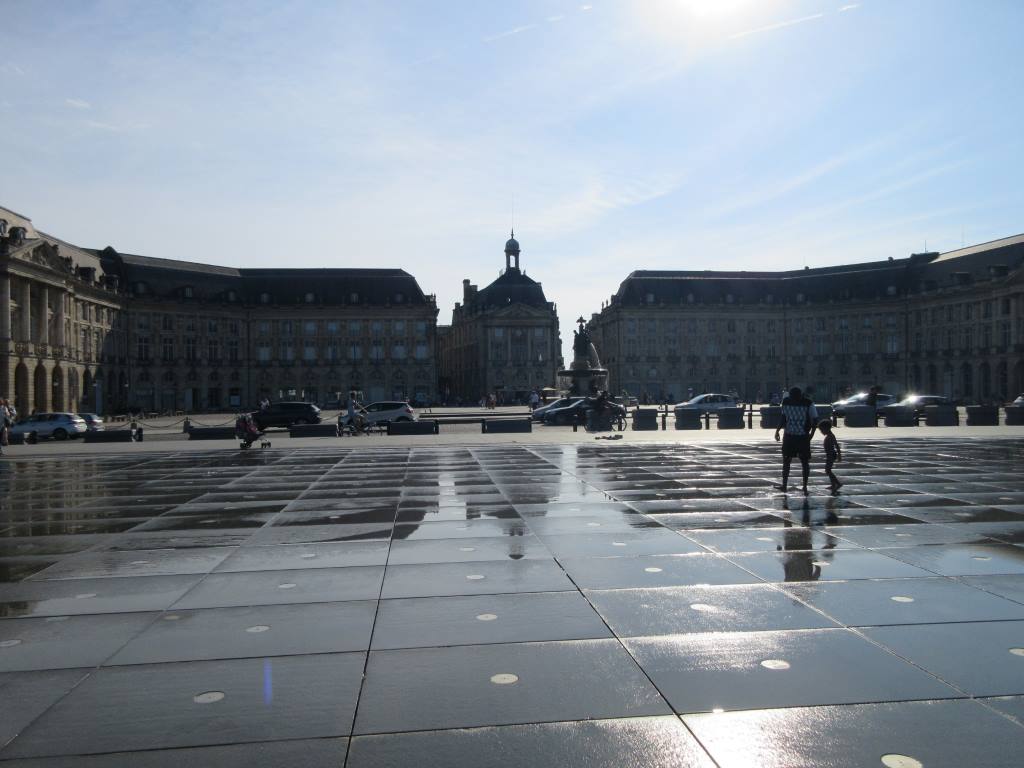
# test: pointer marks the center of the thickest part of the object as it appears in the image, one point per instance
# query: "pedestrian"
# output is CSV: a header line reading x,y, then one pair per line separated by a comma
x,y
534,400
799,420
6,422
833,452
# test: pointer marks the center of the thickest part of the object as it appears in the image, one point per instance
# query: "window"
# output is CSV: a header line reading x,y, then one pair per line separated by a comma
x,y
213,350
730,326
232,296
190,348
399,298
263,351
866,323
421,352
819,324
167,351
142,323
286,327
353,297
892,344
264,328
376,327
233,350
167,323
355,352
309,328
287,351
211,325
499,333
398,352
233,327
332,351
355,327
538,333
399,328
332,327
190,324
377,351
421,328
310,298
264,298
309,351
187,291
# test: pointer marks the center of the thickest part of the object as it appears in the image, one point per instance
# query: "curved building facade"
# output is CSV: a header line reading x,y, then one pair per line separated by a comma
x,y
949,324
102,331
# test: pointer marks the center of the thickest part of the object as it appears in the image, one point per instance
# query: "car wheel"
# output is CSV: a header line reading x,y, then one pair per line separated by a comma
x,y
60,434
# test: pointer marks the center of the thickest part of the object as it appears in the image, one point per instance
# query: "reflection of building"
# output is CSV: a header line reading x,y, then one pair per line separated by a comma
x,y
121,330
503,339
948,324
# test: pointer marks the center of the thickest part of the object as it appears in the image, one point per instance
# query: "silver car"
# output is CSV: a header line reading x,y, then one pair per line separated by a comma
x,y
707,402
93,422
59,426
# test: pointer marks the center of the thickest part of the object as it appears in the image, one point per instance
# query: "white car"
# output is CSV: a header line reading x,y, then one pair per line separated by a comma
x,y
562,402
59,426
707,402
382,412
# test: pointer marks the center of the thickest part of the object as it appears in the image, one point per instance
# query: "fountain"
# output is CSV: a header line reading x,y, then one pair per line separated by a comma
x,y
585,374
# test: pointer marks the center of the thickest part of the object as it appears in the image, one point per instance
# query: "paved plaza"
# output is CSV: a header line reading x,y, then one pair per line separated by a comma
x,y
514,604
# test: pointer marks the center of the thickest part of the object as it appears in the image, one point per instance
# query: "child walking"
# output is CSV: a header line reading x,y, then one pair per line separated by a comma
x,y
832,452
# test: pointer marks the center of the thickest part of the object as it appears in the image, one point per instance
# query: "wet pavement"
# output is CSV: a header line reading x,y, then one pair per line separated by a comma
x,y
514,605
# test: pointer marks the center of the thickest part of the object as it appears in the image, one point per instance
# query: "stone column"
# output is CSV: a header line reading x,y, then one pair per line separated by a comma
x,y
25,310
5,306
61,341
44,315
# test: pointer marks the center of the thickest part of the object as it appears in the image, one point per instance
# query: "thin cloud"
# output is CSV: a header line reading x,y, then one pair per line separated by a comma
x,y
12,68
553,19
586,7
509,33
780,25
78,103
849,7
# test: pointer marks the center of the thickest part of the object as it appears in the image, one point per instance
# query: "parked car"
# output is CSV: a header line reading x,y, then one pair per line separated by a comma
x,y
285,414
578,410
1019,401
707,402
861,398
389,410
562,402
93,422
59,426
918,403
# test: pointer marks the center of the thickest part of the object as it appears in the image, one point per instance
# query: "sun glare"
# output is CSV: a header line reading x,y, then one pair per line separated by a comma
x,y
717,9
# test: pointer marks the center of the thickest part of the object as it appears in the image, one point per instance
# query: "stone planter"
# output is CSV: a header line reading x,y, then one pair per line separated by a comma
x,y
860,416
731,418
771,417
982,416
941,416
688,419
900,417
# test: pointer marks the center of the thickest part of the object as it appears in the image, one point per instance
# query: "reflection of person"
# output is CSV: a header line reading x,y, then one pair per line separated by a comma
x,y
832,452
799,420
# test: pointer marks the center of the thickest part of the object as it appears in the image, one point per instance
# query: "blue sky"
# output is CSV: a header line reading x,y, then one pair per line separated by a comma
x,y
650,134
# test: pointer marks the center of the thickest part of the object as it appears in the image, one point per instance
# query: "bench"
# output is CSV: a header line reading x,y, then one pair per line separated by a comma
x,y
506,426
313,430
730,418
110,436
941,416
211,433
645,419
688,418
860,416
900,417
982,416
771,417
421,427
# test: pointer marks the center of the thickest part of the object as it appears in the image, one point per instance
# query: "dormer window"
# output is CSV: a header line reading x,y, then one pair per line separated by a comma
x,y
310,297
891,290
689,298
187,292
399,298
232,296
649,298
264,298
140,288
353,298
728,298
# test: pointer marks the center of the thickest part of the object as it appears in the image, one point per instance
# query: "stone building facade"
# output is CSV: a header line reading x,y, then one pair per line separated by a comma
x,y
949,324
503,339
126,331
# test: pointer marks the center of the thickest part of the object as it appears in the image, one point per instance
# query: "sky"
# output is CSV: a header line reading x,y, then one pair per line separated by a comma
x,y
614,136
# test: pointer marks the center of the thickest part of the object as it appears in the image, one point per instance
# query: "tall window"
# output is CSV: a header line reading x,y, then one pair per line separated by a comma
x,y
355,352
168,350
233,350
263,351
213,350
142,347
190,348
309,352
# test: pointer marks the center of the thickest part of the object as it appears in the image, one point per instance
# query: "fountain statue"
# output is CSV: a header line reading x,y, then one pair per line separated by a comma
x,y
585,374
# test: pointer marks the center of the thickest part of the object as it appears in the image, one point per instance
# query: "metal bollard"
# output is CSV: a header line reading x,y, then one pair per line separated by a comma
x,y
707,419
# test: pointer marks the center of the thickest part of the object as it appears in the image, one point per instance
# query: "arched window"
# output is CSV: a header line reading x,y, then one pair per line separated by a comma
x,y
187,292
264,298
310,297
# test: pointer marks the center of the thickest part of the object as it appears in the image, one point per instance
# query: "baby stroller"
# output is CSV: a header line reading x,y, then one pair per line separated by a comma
x,y
247,432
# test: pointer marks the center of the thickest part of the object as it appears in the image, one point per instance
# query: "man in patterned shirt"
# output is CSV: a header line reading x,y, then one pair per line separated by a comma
x,y
799,421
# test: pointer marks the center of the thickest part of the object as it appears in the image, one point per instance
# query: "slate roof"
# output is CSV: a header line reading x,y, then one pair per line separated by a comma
x,y
865,281
512,287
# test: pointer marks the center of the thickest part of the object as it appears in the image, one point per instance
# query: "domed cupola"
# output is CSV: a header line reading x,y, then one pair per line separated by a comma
x,y
512,251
